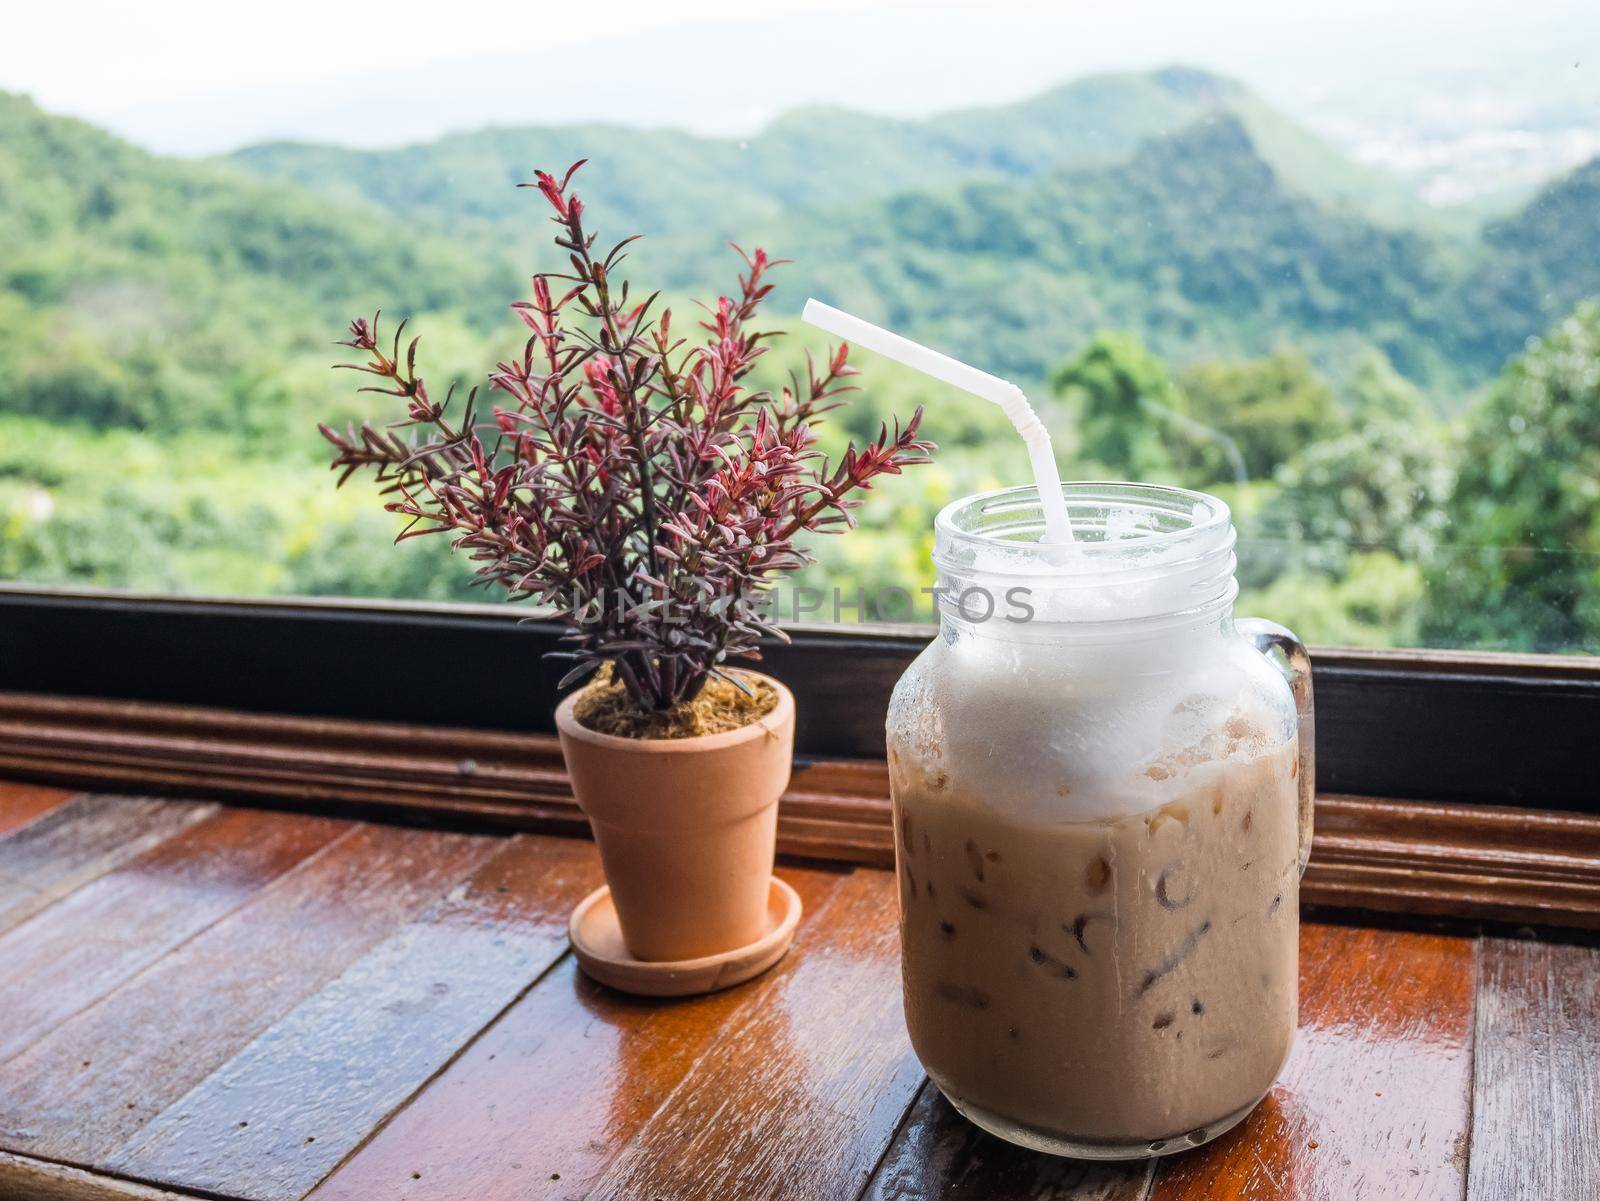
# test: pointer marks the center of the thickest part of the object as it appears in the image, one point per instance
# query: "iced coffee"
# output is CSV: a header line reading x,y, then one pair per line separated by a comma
x,y
1100,820
1128,984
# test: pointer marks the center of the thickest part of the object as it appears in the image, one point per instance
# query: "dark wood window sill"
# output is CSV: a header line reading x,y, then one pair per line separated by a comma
x,y
205,1001
1439,858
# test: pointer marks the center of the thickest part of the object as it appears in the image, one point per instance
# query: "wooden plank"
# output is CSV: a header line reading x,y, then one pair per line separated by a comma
x,y
799,1096
938,1153
1375,1100
24,1179
277,1117
85,945
1536,1117
86,1088
82,839
547,1097
22,803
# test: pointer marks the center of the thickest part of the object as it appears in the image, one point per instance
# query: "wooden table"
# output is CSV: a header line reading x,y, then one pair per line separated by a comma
x,y
198,1000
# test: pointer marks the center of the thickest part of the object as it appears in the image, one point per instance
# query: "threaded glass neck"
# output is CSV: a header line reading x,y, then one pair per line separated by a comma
x,y
1146,558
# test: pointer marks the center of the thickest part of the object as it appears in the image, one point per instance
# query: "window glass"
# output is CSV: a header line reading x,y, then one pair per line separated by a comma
x,y
1342,272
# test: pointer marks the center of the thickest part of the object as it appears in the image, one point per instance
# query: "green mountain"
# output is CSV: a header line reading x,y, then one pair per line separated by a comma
x,y
1197,242
149,291
69,189
662,181
1103,119
1541,260
1173,204
140,290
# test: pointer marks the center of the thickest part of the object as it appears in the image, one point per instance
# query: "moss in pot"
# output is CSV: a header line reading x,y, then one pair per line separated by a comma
x,y
628,478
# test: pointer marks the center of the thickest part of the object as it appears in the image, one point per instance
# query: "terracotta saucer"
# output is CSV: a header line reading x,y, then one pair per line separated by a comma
x,y
597,942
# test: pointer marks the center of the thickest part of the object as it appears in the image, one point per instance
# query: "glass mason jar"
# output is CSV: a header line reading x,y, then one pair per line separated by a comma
x,y
1102,790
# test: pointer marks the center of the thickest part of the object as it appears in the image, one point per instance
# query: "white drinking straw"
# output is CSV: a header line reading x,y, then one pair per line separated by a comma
x,y
1057,523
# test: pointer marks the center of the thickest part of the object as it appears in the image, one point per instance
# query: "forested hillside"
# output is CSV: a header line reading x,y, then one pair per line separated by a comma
x,y
1174,203
1194,289
148,293
1195,242
662,181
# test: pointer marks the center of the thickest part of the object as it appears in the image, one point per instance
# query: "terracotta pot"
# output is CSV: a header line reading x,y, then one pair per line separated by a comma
x,y
686,827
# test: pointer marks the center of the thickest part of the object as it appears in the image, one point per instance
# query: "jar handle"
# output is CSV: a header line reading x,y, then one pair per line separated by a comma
x,y
1289,654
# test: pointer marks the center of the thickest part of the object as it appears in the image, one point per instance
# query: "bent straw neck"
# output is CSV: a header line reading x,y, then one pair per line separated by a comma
x,y
1009,397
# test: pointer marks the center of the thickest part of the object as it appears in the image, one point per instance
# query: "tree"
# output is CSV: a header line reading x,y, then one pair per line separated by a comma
x,y
1375,390
1272,408
1373,602
1523,570
1131,419
1383,485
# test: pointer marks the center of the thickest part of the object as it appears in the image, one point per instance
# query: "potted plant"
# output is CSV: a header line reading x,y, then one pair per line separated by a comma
x,y
631,480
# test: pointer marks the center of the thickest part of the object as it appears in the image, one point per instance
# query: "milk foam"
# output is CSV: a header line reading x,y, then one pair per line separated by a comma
x,y
1084,734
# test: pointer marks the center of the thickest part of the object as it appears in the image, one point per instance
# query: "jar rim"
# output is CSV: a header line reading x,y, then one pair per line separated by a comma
x,y
1200,519
1143,552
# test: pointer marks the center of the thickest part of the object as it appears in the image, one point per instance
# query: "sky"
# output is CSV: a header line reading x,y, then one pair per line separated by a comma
x,y
195,76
